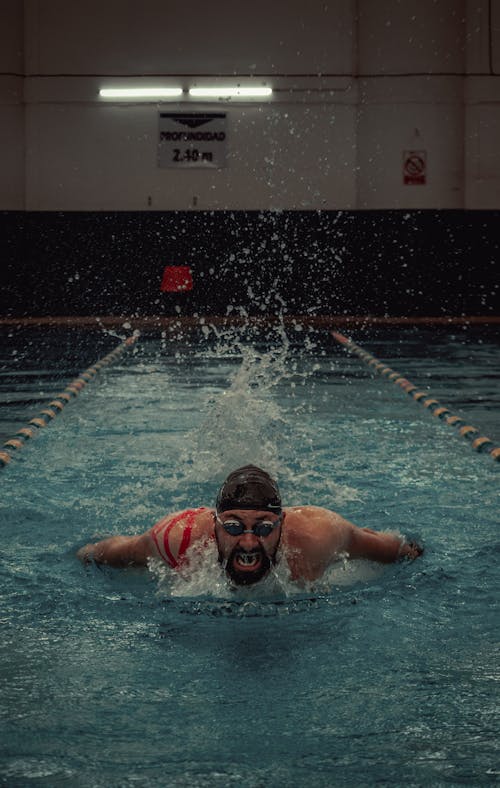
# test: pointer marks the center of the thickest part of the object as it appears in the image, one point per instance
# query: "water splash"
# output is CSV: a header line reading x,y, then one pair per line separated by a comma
x,y
244,423
203,585
260,416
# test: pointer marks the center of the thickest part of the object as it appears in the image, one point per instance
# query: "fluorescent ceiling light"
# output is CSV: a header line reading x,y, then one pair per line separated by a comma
x,y
140,92
223,92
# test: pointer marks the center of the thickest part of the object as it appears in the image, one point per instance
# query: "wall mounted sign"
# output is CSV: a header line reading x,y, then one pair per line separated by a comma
x,y
414,167
192,139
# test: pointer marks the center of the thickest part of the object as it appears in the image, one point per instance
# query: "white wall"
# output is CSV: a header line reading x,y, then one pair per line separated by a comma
x,y
176,37
411,36
356,84
411,114
407,104
12,187
482,106
280,155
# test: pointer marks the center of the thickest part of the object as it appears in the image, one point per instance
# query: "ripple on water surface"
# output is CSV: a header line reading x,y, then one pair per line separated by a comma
x,y
376,675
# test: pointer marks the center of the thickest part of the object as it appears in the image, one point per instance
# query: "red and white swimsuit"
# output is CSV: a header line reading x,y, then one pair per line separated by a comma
x,y
161,531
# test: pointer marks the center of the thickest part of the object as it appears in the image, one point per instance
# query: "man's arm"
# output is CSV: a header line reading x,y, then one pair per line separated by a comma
x,y
119,551
378,546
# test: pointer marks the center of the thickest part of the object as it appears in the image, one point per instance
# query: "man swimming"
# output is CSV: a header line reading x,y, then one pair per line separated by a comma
x,y
252,532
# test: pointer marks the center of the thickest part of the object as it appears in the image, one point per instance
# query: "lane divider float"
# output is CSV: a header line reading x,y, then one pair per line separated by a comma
x,y
59,402
478,442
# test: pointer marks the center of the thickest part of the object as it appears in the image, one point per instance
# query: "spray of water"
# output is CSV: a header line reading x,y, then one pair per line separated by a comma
x,y
261,416
204,577
244,423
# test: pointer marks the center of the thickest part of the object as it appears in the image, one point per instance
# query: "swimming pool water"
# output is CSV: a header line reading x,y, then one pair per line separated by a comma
x,y
377,676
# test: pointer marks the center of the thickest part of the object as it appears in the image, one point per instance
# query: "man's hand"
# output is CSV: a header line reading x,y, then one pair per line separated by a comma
x,y
410,550
118,551
85,554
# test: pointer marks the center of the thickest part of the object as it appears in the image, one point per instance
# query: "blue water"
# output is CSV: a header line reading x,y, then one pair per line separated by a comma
x,y
376,676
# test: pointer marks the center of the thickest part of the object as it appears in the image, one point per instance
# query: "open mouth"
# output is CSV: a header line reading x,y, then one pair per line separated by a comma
x,y
246,567
247,561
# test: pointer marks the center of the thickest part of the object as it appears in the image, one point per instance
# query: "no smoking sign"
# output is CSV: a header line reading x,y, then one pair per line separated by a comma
x,y
414,167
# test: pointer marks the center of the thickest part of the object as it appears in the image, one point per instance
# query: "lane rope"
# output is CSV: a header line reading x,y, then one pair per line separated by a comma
x,y
478,442
59,402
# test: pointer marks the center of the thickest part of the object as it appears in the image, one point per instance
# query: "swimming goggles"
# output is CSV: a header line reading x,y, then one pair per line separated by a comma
x,y
237,528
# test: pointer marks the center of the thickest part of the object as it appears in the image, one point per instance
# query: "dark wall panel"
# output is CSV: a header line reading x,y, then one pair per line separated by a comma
x,y
375,262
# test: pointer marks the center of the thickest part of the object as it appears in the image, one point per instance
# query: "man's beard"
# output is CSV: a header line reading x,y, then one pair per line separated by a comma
x,y
248,577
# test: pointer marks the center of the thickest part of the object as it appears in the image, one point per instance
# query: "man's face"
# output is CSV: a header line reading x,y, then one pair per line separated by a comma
x,y
247,557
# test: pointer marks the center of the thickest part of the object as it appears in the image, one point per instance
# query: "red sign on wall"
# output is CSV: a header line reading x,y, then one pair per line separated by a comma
x,y
176,279
414,167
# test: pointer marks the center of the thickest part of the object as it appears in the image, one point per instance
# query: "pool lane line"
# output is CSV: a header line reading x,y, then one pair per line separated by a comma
x,y
478,442
188,322
59,402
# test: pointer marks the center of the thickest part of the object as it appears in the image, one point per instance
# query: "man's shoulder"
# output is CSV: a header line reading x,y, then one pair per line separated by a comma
x,y
312,537
314,524
309,513
200,518
176,531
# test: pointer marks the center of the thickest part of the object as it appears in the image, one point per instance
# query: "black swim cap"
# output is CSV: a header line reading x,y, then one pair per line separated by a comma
x,y
249,488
